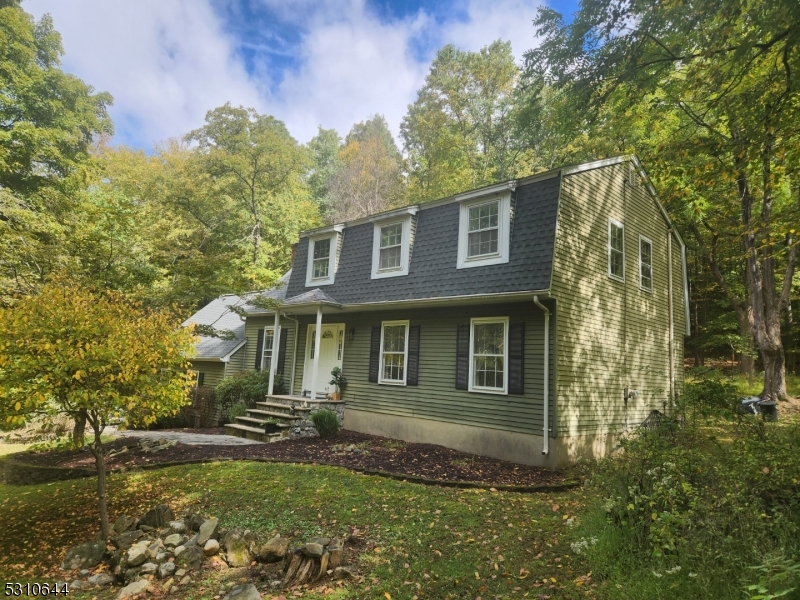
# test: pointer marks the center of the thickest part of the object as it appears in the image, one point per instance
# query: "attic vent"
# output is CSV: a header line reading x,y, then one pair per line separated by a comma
x,y
633,177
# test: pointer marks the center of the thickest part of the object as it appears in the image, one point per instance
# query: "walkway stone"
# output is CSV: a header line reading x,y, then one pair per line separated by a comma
x,y
192,439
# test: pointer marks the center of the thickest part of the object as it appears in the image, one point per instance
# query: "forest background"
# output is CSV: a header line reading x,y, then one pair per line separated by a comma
x,y
704,92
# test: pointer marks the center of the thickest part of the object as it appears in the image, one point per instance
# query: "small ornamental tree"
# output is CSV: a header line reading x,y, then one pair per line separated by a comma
x,y
91,355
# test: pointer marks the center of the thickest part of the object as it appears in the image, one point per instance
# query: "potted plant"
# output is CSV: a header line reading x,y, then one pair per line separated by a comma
x,y
338,381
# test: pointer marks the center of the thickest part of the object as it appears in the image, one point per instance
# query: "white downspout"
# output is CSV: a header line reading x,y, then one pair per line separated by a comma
x,y
276,342
546,368
317,342
671,322
294,349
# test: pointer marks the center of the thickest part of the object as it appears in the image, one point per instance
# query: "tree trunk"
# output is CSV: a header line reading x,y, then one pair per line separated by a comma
x,y
100,464
747,363
774,374
79,430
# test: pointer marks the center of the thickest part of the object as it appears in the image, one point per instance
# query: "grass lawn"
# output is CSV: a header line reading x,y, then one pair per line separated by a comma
x,y
421,541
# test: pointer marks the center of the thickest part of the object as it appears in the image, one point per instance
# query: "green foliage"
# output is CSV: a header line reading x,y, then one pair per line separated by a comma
x,y
691,505
774,575
337,379
326,422
247,388
237,409
71,349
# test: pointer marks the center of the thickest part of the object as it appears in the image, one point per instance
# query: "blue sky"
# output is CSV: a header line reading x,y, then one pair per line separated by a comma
x,y
310,63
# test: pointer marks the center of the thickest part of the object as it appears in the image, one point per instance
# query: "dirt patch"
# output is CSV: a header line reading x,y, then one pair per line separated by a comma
x,y
349,449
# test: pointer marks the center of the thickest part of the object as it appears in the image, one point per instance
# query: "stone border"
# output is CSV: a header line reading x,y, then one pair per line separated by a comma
x,y
14,471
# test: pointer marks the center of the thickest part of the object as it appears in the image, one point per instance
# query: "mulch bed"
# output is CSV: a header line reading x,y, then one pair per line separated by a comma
x,y
349,449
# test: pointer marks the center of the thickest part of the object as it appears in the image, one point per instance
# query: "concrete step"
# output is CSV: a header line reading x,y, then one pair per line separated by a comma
x,y
279,407
256,422
254,433
266,414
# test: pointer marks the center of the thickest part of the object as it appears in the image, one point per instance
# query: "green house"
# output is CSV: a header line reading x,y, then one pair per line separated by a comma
x,y
533,320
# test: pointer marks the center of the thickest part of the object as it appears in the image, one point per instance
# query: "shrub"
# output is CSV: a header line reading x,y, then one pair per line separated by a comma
x,y
696,507
237,409
247,387
326,422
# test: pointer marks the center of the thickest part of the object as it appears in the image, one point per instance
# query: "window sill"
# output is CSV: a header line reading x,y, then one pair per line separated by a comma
x,y
617,279
393,383
494,259
495,391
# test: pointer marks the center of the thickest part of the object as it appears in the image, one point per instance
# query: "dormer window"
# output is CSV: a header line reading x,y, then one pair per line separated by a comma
x,y
321,264
485,227
391,243
323,250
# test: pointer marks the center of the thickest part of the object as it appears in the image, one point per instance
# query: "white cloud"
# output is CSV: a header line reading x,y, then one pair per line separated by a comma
x,y
167,63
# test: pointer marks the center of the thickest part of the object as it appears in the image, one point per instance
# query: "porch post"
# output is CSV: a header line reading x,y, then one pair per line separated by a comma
x,y
276,343
317,342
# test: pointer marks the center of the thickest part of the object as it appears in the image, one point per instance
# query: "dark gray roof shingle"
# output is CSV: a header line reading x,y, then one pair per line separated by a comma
x,y
432,269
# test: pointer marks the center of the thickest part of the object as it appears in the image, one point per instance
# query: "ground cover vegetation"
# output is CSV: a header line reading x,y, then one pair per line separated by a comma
x,y
410,540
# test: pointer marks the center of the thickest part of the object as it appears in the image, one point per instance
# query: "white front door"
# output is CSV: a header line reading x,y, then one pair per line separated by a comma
x,y
330,355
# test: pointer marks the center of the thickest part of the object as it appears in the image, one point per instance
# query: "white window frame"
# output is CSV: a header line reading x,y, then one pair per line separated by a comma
x,y
641,264
619,224
381,380
332,260
264,347
503,231
405,244
481,321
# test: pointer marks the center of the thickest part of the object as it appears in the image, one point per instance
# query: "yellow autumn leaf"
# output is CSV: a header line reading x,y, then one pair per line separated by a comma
x,y
387,595
17,406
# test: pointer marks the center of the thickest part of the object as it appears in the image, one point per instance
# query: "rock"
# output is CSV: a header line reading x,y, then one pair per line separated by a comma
x,y
334,553
149,568
154,548
124,540
180,573
193,521
166,587
313,549
211,548
343,573
165,570
85,572
192,541
320,540
178,550
186,579
130,575
239,547
80,585
123,524
177,526
137,587
191,558
101,579
273,551
208,530
173,540
137,554
243,592
85,556
163,556
157,517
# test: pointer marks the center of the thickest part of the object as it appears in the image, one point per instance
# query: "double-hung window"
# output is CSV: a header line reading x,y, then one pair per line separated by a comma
x,y
616,250
394,352
322,255
645,264
269,345
392,239
489,355
484,227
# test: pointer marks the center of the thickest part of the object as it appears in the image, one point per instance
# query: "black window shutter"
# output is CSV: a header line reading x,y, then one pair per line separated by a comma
x,y
282,351
412,375
516,358
462,358
201,379
259,348
375,354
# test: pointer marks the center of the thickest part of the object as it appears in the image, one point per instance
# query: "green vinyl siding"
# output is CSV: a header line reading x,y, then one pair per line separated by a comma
x,y
435,397
252,326
213,371
236,363
612,334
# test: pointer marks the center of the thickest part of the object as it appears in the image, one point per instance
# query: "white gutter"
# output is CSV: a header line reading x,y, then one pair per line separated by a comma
x,y
546,368
276,344
671,321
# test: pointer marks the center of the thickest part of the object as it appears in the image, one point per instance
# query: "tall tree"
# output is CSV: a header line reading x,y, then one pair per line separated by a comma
x,y
723,77
255,161
370,179
460,131
325,164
